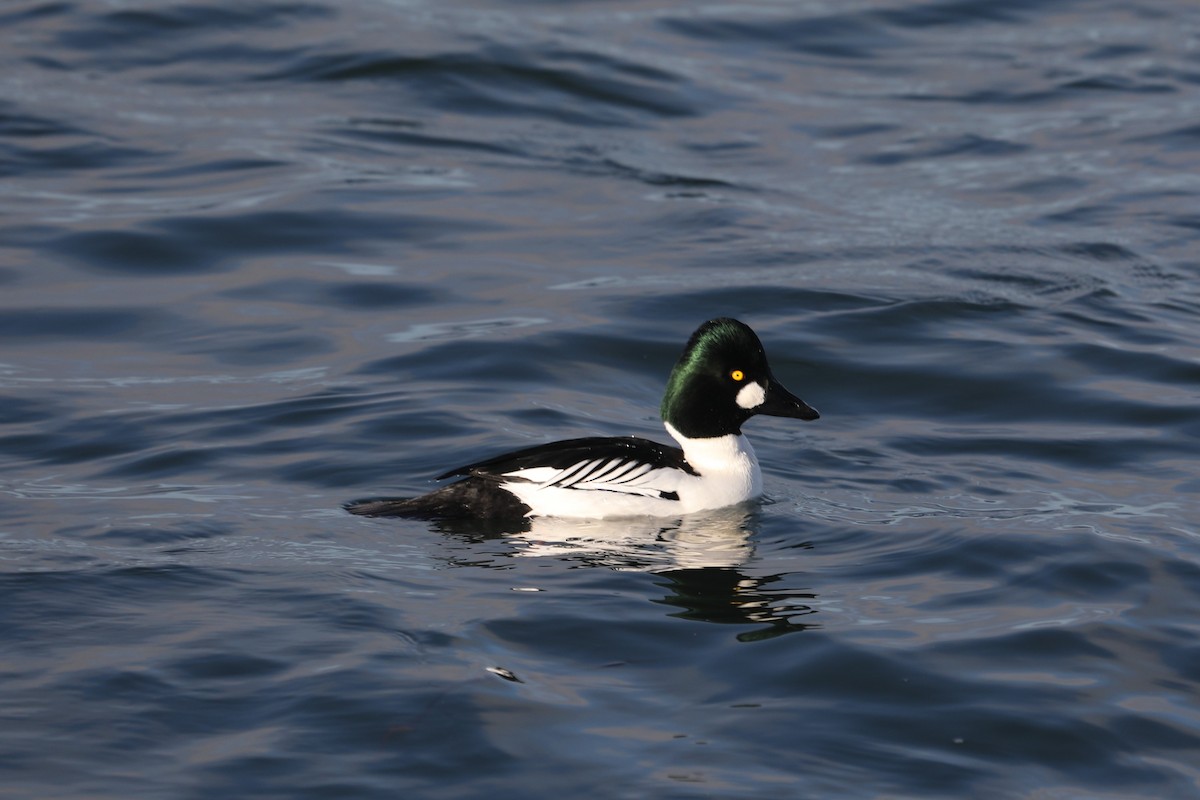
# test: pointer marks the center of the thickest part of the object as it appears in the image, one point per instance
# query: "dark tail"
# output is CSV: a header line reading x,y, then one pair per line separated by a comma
x,y
470,498
386,507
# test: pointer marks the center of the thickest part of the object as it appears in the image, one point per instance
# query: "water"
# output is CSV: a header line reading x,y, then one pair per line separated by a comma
x,y
260,259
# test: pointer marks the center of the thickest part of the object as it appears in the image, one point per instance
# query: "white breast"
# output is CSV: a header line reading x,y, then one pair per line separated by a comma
x,y
728,468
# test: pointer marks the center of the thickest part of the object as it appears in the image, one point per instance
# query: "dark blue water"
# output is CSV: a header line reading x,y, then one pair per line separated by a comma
x,y
258,259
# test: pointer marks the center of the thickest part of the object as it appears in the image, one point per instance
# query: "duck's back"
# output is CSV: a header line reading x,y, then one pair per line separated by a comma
x,y
588,477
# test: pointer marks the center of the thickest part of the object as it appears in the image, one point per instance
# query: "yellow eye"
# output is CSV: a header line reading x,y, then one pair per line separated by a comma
x,y
737,374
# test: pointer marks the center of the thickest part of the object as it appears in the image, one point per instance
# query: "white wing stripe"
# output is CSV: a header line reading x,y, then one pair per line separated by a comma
x,y
575,472
593,471
605,472
644,483
616,475
641,472
622,471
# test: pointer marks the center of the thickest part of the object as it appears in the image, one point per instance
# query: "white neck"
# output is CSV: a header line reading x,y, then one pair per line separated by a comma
x,y
728,471
717,453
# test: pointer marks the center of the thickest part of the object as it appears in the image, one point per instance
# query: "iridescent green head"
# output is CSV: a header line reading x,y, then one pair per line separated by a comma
x,y
721,380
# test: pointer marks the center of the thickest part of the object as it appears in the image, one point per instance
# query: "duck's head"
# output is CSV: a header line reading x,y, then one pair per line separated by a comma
x,y
721,380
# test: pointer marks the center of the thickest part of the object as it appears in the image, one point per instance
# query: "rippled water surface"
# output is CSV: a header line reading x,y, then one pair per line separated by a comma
x,y
258,259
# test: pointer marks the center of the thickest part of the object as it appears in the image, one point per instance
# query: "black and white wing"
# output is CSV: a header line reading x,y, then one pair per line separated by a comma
x,y
627,465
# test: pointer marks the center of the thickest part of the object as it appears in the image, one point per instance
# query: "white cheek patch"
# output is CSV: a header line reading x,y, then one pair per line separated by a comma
x,y
751,395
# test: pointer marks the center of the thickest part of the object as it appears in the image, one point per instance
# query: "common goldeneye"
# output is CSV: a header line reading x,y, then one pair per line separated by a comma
x,y
721,380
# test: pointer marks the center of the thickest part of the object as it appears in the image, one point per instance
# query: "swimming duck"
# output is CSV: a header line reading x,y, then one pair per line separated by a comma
x,y
721,380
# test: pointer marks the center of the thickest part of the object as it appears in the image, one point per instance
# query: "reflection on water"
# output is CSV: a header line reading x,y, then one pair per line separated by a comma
x,y
719,539
699,555
256,258
713,594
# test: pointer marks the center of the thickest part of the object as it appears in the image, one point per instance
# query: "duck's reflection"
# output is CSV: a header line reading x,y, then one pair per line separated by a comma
x,y
701,557
719,539
717,594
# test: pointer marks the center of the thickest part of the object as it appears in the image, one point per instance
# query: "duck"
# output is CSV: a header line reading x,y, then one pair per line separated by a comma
x,y
720,381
